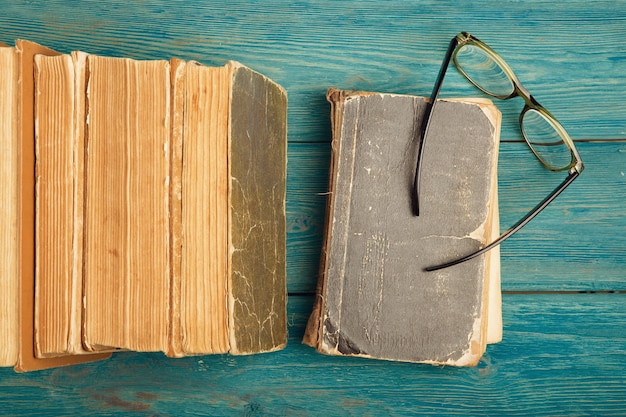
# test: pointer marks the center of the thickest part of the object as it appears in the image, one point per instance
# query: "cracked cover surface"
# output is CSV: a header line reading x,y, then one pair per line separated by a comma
x,y
258,186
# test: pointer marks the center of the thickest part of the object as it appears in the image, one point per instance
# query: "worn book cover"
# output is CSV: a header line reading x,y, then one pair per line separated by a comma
x,y
374,297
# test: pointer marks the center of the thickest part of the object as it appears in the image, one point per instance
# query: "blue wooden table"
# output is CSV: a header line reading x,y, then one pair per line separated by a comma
x,y
563,277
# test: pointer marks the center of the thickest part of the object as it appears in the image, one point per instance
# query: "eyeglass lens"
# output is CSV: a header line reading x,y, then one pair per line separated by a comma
x,y
483,71
544,138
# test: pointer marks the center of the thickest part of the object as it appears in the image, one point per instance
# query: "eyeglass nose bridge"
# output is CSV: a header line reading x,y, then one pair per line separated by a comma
x,y
520,91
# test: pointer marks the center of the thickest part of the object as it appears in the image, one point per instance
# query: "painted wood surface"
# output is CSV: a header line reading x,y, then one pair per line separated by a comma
x,y
562,353
560,356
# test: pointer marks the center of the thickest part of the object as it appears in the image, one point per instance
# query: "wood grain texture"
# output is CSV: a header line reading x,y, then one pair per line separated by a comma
x,y
307,190
579,241
561,354
568,56
542,367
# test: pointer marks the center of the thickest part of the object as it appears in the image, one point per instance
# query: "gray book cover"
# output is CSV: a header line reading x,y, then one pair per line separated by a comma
x,y
375,298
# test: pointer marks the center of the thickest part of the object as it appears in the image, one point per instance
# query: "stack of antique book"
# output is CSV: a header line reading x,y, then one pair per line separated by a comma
x,y
143,208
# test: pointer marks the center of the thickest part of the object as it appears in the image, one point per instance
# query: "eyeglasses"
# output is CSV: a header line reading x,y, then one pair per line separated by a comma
x,y
545,136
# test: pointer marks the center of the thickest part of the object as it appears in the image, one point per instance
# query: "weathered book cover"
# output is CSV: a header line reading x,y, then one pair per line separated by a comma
x,y
257,191
374,297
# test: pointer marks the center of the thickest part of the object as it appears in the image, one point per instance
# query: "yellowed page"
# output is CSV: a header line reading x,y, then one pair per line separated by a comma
x,y
204,211
54,202
126,205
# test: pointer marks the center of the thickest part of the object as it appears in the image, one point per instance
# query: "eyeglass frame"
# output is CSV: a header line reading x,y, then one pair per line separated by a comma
x,y
575,167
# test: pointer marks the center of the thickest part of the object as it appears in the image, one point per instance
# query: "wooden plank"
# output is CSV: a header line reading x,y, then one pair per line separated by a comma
x,y
579,241
577,244
561,355
307,186
569,57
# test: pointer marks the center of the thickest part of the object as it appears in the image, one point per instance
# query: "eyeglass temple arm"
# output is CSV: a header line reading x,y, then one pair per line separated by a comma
x,y
426,122
573,173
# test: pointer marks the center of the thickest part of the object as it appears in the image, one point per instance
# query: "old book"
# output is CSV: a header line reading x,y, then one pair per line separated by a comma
x,y
227,211
60,95
9,134
54,201
27,359
126,276
374,298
